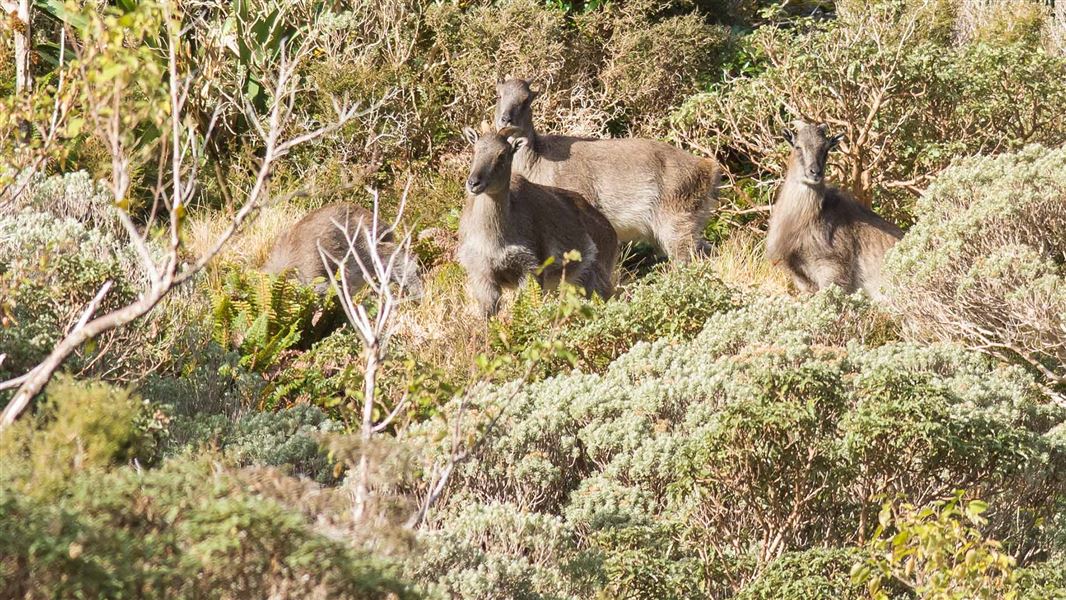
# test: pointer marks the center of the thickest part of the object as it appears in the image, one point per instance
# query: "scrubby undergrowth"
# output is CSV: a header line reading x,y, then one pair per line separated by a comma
x,y
703,434
693,466
986,264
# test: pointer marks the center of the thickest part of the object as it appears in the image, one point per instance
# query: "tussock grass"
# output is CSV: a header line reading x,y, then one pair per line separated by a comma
x,y
740,261
248,248
442,329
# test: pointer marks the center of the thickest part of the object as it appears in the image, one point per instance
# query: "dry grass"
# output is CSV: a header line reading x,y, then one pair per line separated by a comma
x,y
442,329
250,247
740,261
1003,20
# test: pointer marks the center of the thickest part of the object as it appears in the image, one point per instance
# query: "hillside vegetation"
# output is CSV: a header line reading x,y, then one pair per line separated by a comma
x,y
708,432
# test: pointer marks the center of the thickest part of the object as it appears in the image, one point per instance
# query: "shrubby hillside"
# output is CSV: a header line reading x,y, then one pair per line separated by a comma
x,y
708,432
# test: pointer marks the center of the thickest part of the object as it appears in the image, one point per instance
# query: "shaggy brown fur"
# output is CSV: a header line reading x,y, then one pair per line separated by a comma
x,y
510,227
649,191
296,250
819,233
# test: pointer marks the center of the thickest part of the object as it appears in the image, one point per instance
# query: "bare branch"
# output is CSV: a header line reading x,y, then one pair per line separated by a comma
x,y
162,274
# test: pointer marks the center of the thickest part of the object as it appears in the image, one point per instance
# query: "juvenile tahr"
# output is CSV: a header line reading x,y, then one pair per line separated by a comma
x,y
510,227
296,251
648,190
819,233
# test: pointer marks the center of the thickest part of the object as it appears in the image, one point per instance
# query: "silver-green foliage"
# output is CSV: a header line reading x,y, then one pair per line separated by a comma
x,y
289,438
73,195
50,269
986,262
58,247
703,461
504,552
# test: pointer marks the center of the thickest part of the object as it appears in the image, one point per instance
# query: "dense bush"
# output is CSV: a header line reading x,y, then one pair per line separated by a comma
x,y
288,438
50,269
522,38
78,428
756,438
1043,581
89,513
936,551
673,303
401,80
57,250
500,551
651,64
73,195
985,263
187,529
893,79
815,573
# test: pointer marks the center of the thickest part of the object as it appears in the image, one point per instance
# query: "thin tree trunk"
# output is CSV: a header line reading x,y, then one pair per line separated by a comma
x,y
370,379
23,44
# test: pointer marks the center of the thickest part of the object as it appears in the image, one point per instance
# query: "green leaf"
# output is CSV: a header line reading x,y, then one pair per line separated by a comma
x,y
885,516
58,11
975,508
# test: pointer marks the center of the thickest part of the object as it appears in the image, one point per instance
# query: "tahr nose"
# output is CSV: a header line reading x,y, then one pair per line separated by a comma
x,y
474,185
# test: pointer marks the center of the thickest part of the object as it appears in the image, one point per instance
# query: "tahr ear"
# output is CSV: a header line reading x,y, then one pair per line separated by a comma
x,y
470,135
517,143
789,136
835,140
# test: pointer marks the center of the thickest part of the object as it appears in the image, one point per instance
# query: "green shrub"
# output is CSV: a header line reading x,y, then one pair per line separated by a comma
x,y
202,377
72,195
984,265
769,432
646,562
402,78
671,303
328,375
815,573
79,427
187,529
1042,581
936,551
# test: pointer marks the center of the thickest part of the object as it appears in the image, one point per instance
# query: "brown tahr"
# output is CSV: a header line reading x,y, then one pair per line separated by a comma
x,y
819,233
296,251
649,191
510,227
